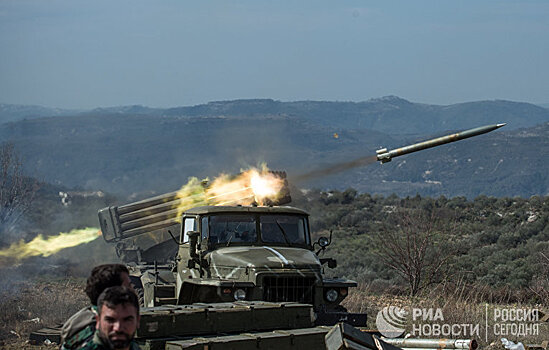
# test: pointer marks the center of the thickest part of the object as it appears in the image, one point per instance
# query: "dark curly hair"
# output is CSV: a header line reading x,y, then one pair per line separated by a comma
x,y
119,295
103,277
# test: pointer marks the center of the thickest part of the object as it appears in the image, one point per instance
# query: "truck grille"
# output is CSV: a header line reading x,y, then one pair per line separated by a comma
x,y
288,288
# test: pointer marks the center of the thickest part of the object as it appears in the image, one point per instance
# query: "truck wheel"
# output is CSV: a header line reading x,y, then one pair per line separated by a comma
x,y
138,288
140,295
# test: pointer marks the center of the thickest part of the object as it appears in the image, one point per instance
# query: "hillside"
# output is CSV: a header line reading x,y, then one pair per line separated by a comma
x,y
141,150
494,241
125,154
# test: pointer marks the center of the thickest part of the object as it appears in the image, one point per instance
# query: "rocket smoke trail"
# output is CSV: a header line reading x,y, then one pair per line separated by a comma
x,y
334,169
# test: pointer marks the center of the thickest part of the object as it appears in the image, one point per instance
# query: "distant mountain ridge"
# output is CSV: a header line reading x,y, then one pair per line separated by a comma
x,y
133,109
389,114
12,112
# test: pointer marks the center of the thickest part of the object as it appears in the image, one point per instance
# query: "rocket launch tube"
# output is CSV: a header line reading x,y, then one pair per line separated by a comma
x,y
417,343
385,156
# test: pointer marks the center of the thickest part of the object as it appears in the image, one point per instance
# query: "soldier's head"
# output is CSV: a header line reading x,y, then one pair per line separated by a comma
x,y
105,276
118,317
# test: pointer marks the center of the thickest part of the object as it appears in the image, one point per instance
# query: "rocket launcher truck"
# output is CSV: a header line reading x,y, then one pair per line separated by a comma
x,y
238,276
228,253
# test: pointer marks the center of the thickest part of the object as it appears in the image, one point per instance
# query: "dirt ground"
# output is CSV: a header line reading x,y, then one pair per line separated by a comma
x,y
28,306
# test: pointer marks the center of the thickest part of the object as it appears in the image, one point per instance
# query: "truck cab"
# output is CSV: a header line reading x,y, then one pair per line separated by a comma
x,y
252,253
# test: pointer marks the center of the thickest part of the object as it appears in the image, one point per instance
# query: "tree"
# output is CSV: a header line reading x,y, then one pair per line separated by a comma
x,y
416,246
16,191
540,283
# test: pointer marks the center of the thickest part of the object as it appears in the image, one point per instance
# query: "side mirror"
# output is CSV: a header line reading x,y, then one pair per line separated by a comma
x,y
323,242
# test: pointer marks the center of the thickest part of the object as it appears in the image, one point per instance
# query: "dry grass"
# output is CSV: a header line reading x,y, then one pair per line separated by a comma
x,y
460,304
29,306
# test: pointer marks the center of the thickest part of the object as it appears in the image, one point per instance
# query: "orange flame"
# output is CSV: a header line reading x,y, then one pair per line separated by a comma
x,y
50,245
255,185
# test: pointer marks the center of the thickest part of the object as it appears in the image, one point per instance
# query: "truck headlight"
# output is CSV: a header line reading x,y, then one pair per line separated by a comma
x,y
239,294
331,295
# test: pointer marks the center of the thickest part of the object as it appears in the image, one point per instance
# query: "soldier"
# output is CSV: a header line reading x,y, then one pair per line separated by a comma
x,y
116,321
80,327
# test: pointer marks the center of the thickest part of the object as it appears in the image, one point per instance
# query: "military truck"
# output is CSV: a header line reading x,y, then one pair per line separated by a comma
x,y
227,254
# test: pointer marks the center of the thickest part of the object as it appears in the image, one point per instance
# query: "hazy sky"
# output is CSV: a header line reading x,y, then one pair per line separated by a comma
x,y
83,54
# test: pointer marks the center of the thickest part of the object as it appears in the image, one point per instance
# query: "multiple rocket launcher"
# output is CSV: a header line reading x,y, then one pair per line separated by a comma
x,y
133,219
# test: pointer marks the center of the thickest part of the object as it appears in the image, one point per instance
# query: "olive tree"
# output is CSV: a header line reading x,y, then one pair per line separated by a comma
x,y
417,246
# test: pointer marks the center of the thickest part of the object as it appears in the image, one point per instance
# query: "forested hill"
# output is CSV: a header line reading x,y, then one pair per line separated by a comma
x,y
499,242
141,150
389,114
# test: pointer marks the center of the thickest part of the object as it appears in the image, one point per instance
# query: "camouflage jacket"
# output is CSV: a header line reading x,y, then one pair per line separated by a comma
x,y
78,329
95,343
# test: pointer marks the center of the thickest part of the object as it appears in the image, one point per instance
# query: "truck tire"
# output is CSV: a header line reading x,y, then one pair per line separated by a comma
x,y
138,288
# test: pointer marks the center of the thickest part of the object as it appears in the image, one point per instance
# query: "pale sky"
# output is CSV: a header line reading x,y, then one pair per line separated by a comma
x,y
86,54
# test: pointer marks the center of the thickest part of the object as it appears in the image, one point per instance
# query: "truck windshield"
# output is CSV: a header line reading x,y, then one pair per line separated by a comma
x,y
232,228
286,229
242,228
